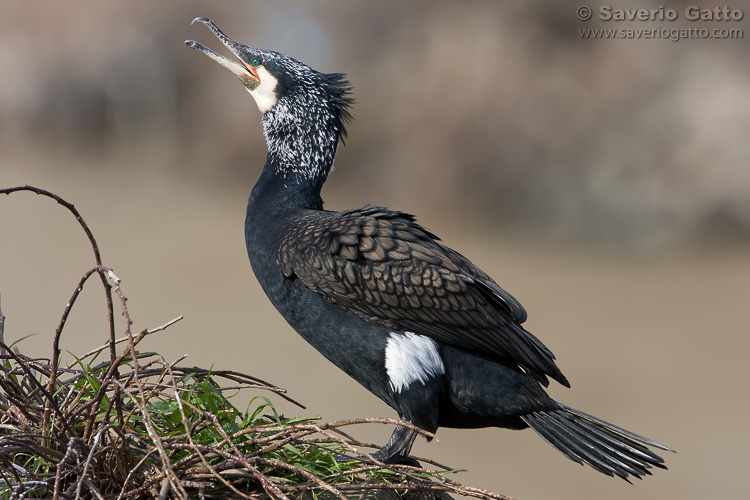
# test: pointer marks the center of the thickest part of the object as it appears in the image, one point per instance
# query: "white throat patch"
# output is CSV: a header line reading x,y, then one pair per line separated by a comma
x,y
265,93
409,358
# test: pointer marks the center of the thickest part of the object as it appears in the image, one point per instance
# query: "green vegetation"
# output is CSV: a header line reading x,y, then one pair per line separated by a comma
x,y
151,426
137,426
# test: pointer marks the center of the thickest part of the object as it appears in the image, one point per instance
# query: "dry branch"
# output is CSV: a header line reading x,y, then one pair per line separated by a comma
x,y
136,426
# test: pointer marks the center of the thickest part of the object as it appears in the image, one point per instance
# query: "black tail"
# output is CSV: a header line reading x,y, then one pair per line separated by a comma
x,y
585,439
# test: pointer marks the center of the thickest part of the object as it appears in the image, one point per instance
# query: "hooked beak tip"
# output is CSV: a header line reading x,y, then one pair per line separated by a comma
x,y
203,20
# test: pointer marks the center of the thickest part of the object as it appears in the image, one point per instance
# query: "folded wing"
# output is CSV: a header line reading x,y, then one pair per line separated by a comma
x,y
383,266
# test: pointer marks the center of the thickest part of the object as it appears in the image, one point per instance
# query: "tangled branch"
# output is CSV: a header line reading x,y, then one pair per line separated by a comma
x,y
137,426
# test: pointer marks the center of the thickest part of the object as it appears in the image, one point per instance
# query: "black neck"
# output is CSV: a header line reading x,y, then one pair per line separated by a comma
x,y
276,191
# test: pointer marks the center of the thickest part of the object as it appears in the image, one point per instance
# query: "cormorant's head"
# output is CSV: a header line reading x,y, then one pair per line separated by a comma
x,y
270,76
304,111
255,70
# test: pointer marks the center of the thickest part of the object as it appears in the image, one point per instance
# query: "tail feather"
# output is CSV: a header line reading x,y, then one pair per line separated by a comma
x,y
605,447
601,454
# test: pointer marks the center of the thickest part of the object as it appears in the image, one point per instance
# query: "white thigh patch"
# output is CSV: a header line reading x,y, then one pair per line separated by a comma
x,y
410,357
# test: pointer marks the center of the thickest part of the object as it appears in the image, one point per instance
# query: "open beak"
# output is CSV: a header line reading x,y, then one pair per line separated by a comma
x,y
243,71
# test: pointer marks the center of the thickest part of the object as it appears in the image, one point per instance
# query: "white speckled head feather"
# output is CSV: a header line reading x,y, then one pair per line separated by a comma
x,y
305,124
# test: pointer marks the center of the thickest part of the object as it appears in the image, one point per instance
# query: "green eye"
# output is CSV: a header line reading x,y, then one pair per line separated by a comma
x,y
255,62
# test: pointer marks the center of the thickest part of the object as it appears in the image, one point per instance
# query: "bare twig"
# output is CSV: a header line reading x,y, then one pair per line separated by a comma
x,y
61,466
97,259
148,331
192,442
40,415
30,376
2,329
56,342
86,465
172,477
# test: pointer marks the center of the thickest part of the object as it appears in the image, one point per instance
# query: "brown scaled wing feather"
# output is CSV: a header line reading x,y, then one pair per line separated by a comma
x,y
395,274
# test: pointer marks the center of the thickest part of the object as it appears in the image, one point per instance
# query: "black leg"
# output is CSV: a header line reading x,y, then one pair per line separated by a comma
x,y
396,450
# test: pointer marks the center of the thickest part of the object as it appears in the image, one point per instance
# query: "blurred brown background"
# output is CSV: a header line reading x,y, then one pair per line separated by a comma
x,y
605,183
